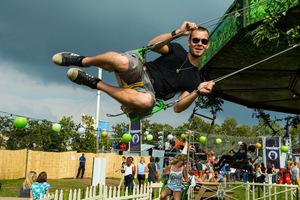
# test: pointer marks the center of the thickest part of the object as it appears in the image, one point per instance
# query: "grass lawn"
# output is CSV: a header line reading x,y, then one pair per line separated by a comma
x,y
10,188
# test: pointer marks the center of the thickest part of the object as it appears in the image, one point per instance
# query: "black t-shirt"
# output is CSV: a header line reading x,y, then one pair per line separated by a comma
x,y
163,72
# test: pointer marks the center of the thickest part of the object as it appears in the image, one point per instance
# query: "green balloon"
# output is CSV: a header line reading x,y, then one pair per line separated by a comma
x,y
20,122
149,137
202,139
127,137
219,141
284,149
56,127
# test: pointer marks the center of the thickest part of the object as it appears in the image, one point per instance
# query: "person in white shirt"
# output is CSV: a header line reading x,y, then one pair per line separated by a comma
x,y
232,177
192,177
204,167
129,169
176,171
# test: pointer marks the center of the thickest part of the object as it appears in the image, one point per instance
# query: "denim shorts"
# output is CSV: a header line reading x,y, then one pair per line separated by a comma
x,y
174,188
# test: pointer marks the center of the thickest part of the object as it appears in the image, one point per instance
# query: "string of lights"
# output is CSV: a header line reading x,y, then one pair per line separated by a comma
x,y
11,115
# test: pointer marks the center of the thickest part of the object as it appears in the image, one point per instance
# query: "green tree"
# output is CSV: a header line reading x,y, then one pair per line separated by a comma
x,y
37,135
210,102
154,130
197,124
120,128
244,130
44,138
271,31
229,126
66,132
88,140
263,128
295,137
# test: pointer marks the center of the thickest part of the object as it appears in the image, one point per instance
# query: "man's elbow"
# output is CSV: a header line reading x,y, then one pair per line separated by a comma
x,y
151,42
177,109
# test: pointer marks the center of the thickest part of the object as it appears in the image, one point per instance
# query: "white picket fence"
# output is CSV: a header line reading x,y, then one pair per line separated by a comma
x,y
111,193
271,191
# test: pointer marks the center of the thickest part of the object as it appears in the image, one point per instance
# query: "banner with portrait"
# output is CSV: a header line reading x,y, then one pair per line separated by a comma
x,y
272,151
135,131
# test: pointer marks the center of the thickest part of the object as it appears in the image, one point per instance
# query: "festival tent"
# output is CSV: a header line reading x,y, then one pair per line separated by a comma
x,y
271,85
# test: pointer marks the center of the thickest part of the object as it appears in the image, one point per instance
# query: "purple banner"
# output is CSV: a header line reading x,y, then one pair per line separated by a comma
x,y
272,146
135,131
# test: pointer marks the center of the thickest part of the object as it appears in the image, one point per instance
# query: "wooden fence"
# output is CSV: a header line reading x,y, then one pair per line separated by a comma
x,y
271,191
16,163
13,164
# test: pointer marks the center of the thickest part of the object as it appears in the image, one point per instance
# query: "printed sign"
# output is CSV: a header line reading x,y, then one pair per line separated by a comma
x,y
135,131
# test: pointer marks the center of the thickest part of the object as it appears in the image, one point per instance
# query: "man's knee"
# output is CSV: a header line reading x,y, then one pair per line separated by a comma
x,y
144,100
121,63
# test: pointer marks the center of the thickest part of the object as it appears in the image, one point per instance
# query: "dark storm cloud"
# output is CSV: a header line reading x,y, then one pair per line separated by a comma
x,y
32,31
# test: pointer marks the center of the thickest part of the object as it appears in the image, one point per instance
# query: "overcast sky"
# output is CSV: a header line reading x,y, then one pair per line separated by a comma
x,y
32,31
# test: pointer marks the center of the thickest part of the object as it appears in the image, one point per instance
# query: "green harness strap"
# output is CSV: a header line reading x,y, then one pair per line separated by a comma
x,y
159,104
186,187
142,52
164,184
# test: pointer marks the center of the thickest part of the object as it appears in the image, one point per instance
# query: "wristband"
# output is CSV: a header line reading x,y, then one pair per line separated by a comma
x,y
173,33
198,92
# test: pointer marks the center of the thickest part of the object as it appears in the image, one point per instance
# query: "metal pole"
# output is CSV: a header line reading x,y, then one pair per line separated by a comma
x,y
188,153
98,110
163,142
194,146
26,163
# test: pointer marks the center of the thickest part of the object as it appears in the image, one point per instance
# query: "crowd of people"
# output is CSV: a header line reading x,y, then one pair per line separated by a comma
x,y
129,170
226,171
218,170
240,166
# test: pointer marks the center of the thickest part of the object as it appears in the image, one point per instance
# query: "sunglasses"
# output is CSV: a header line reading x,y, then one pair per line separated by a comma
x,y
197,40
